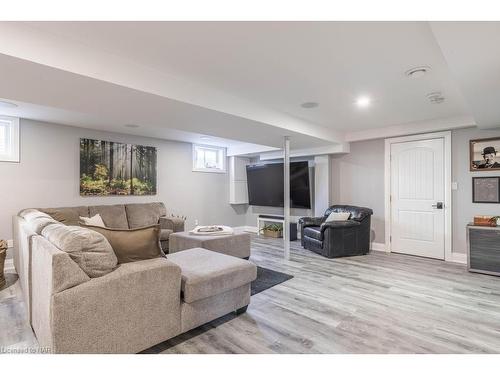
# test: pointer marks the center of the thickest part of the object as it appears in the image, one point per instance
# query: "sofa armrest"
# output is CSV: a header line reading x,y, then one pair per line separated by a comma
x,y
128,310
310,221
173,223
344,224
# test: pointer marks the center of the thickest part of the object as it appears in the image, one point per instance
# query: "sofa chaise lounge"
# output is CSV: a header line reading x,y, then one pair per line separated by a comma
x,y
130,309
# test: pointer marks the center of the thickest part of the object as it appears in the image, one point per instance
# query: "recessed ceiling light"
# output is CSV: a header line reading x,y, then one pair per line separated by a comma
x,y
309,105
417,72
131,125
363,102
436,97
5,104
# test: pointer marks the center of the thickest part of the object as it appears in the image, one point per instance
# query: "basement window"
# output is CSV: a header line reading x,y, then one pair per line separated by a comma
x,y
9,139
209,159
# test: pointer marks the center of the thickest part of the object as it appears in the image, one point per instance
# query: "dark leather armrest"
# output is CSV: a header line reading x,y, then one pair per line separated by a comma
x,y
340,224
310,221
173,223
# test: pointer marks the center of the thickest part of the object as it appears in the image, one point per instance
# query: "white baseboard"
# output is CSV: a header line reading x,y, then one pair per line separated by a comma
x,y
458,258
247,228
379,246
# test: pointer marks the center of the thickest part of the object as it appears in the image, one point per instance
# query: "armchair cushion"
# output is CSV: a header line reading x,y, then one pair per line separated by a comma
x,y
339,224
314,232
310,221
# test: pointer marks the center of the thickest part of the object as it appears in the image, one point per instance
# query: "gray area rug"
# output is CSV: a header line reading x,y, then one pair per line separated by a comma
x,y
267,278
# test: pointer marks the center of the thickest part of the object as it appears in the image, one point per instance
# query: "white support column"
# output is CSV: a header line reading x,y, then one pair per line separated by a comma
x,y
286,174
322,188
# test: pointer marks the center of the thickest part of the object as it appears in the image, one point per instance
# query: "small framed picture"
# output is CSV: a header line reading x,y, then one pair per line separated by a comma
x,y
486,189
485,154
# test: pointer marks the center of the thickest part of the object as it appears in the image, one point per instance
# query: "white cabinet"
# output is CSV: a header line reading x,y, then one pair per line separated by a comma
x,y
238,192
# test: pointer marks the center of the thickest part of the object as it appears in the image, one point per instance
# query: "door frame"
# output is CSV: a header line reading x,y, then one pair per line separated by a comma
x,y
446,136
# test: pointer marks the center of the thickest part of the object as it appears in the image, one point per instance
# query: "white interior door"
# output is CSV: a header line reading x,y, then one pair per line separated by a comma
x,y
417,198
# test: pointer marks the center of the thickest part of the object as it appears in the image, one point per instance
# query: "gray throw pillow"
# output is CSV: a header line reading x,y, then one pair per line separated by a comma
x,y
88,248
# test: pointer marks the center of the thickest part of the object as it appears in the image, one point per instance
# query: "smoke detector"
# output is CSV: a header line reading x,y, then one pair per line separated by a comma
x,y
417,72
435,97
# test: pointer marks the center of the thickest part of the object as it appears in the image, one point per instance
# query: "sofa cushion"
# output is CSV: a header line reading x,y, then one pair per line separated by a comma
x,y
67,215
313,232
165,233
114,216
206,273
131,245
89,249
36,219
144,214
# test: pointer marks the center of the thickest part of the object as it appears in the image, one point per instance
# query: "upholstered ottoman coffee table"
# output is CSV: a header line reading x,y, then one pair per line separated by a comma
x,y
212,285
236,244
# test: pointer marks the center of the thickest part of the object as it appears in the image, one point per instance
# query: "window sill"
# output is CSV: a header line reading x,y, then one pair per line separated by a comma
x,y
208,170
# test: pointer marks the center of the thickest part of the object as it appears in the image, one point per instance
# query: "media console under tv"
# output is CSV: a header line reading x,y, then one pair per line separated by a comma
x,y
262,219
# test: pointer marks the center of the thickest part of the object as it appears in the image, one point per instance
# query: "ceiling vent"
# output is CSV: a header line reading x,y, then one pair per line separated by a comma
x,y
417,72
435,97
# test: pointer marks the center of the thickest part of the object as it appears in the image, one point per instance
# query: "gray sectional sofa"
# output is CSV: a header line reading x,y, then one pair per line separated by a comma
x,y
135,306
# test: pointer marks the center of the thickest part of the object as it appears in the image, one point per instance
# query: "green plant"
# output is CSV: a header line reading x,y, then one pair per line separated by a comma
x,y
272,228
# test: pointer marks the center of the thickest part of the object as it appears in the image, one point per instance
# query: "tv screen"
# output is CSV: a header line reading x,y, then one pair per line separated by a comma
x,y
265,185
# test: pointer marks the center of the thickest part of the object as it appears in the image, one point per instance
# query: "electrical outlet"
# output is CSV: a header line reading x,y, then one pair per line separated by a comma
x,y
10,243
454,185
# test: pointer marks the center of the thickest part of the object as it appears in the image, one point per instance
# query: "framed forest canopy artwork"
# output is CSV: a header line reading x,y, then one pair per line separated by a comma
x,y
113,168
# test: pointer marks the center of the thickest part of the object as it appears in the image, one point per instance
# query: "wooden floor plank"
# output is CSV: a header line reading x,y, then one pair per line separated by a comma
x,y
378,303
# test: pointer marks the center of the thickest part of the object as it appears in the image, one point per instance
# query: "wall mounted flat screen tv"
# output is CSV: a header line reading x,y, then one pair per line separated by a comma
x,y
265,185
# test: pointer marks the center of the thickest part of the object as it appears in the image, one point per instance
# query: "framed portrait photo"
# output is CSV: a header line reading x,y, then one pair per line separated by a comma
x,y
485,154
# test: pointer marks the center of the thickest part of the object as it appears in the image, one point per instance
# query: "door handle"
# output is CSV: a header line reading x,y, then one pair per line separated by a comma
x,y
438,205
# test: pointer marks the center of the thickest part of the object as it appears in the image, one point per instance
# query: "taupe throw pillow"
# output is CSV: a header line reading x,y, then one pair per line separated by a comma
x,y
90,250
131,245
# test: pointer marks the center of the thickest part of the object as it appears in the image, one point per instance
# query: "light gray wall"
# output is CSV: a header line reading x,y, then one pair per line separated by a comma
x,y
463,208
48,176
358,178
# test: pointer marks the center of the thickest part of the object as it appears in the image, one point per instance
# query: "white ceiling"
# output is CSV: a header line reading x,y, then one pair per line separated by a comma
x,y
283,64
246,80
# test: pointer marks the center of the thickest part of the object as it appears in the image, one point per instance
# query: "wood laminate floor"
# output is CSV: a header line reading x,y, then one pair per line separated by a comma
x,y
378,303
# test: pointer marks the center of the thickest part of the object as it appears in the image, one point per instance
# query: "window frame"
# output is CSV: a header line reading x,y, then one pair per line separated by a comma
x,y
14,155
221,150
